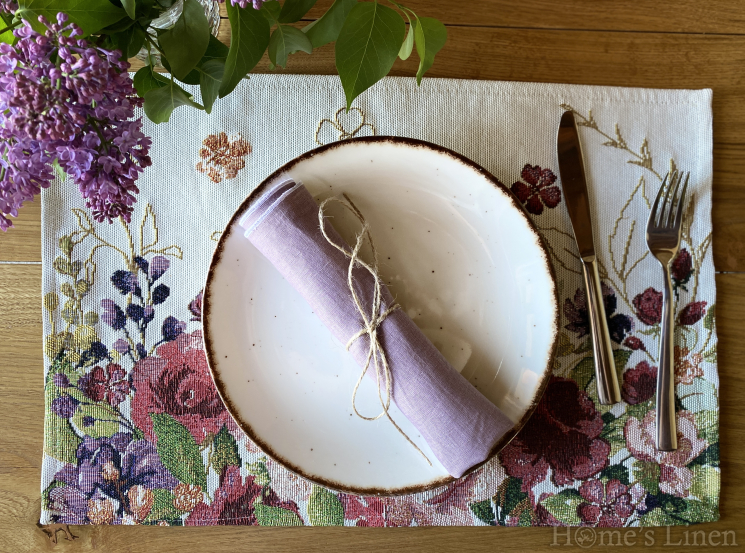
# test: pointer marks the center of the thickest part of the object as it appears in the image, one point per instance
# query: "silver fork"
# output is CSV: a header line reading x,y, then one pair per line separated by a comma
x,y
663,240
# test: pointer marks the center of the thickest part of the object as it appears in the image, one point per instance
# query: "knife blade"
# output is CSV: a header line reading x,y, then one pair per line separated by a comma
x,y
576,198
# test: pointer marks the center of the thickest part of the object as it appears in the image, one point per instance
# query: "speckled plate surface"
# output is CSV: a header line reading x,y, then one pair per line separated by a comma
x,y
462,259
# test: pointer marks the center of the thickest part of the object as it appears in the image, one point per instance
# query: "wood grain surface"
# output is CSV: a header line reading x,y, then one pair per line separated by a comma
x,y
663,44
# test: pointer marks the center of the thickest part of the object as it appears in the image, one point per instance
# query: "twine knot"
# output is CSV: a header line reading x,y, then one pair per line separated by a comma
x,y
370,322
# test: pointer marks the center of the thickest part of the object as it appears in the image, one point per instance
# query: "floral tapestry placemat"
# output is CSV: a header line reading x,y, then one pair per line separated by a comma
x,y
135,432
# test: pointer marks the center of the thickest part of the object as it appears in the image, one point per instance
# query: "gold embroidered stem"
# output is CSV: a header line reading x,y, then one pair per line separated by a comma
x,y
375,354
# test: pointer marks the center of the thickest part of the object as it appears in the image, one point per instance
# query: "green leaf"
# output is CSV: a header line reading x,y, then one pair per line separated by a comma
x,y
564,506
160,102
6,20
271,11
130,6
367,46
710,317
647,474
178,450
146,80
90,15
508,496
408,44
163,507
186,42
484,511
60,440
105,420
701,511
215,50
249,39
129,41
616,472
709,456
326,29
706,483
274,516
430,36
324,508
259,471
225,451
284,41
294,10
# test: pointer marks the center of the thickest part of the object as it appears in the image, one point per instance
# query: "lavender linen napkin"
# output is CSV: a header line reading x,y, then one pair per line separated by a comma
x,y
459,424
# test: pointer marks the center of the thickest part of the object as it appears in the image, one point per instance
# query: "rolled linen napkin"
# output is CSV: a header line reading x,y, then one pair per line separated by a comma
x,y
459,424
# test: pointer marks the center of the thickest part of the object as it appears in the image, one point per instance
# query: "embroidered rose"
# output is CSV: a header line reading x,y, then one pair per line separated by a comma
x,y
539,189
639,383
681,268
692,313
648,306
634,344
687,365
579,319
222,157
563,434
177,381
186,496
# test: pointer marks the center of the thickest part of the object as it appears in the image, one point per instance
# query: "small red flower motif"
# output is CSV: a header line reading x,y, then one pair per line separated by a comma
x,y
634,343
693,313
648,306
537,190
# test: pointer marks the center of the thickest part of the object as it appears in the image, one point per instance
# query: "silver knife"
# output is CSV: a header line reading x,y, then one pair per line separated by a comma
x,y
572,171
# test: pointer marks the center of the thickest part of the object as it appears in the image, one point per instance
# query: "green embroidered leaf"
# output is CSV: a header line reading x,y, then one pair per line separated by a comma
x,y
90,318
563,506
160,102
324,508
294,10
508,496
146,79
186,42
260,472
657,517
484,511
647,474
210,77
249,39
430,36
639,410
284,41
583,372
710,317
225,451
367,46
274,516
326,29
90,15
616,472
163,507
96,420
700,511
709,456
178,450
60,440
584,347
706,483
707,423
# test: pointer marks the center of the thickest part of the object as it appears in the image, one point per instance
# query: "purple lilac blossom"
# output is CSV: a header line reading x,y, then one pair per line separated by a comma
x,y
76,110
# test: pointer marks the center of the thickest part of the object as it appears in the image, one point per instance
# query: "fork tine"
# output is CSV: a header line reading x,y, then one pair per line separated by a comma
x,y
673,202
653,214
681,203
667,202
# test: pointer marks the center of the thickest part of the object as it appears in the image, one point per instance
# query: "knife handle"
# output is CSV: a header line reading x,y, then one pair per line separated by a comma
x,y
605,366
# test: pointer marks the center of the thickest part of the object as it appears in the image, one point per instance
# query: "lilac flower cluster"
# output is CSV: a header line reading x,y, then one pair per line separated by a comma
x,y
66,100
244,3
8,6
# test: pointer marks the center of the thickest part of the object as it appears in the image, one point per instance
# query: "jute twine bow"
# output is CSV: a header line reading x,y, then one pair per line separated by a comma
x,y
370,323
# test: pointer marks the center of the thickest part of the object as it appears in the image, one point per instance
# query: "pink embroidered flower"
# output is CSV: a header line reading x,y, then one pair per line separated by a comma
x,y
539,189
606,505
648,306
692,313
687,365
640,440
386,511
108,384
177,381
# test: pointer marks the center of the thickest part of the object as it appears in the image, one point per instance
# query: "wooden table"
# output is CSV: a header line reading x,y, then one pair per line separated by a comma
x,y
646,43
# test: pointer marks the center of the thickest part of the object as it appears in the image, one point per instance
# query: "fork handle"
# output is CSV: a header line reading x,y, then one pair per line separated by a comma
x,y
667,435
602,350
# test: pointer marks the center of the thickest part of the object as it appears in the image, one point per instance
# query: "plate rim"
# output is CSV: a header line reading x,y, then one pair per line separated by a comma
x,y
210,354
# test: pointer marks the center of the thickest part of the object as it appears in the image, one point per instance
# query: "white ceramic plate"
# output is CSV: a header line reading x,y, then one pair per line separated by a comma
x,y
462,259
